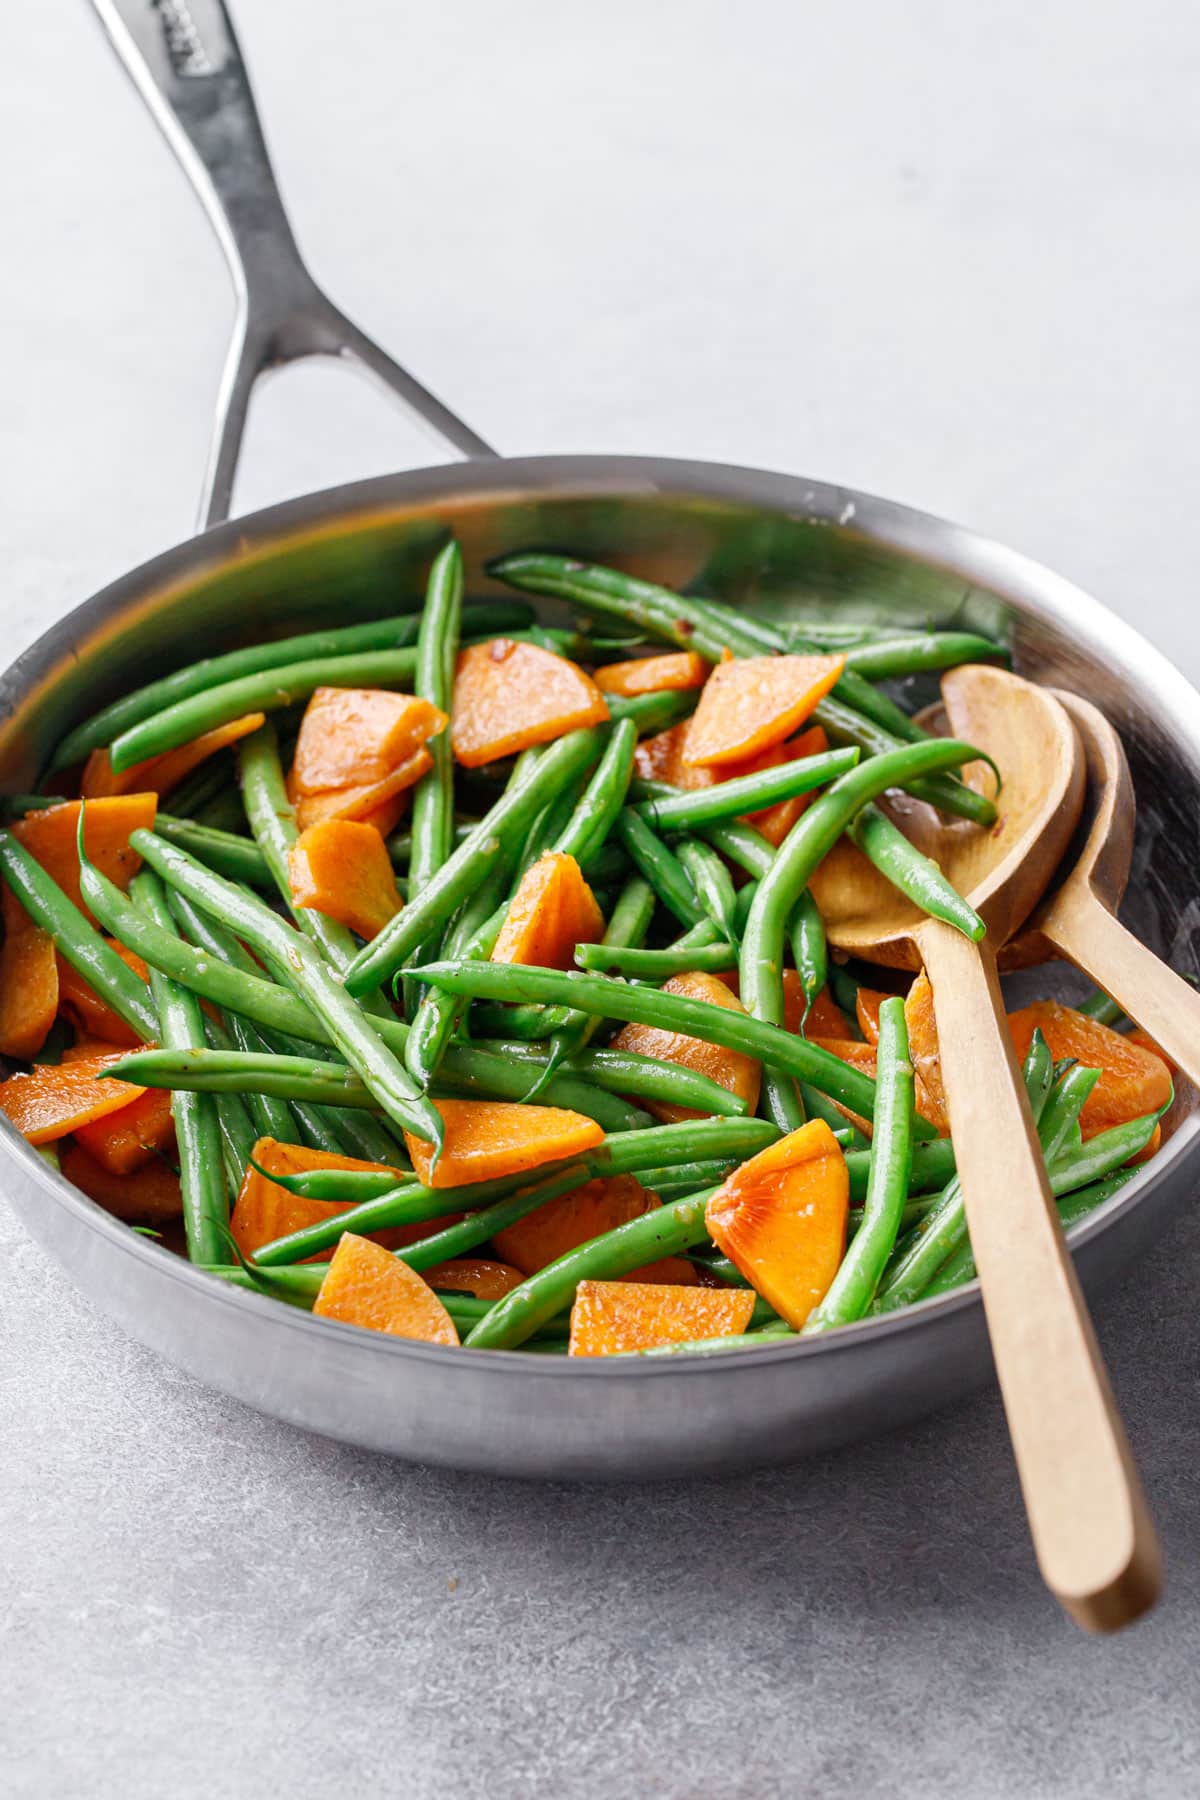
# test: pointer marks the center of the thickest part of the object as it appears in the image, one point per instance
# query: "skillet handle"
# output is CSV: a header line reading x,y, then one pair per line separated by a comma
x,y
184,58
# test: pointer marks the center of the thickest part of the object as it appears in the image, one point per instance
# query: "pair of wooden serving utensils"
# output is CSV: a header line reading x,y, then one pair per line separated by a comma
x,y
1095,1541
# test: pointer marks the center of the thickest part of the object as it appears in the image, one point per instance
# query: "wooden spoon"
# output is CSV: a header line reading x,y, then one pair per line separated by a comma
x,y
1077,920
1091,1529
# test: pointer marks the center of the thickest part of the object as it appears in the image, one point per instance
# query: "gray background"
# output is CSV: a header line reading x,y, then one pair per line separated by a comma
x,y
945,253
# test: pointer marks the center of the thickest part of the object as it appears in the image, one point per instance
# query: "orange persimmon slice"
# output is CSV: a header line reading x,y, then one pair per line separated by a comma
x,y
49,836
342,869
925,1054
677,672
29,986
571,1219
378,803
368,1286
552,910
753,702
159,774
90,1015
508,696
609,1317
150,1195
485,1139
734,1070
774,822
782,1219
359,735
1133,1080
55,1098
867,1002
265,1211
825,1017
477,1275
127,1140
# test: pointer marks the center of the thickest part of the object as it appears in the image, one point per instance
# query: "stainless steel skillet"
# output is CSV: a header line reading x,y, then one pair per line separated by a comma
x,y
785,545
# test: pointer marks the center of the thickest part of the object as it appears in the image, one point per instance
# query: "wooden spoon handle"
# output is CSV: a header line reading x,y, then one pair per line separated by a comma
x,y
1092,1532
1159,1000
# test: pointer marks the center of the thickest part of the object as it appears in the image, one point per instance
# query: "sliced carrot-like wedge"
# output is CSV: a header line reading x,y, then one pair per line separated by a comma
x,y
508,696
859,1056
149,1196
28,982
548,1232
485,1139
265,1211
357,735
159,774
477,1275
670,1271
1145,1042
342,869
609,1317
126,1140
782,1219
825,1017
776,821
867,1002
55,1098
752,702
925,1053
49,836
678,672
89,1014
552,910
1133,1081
368,1286
663,757
377,803
734,1070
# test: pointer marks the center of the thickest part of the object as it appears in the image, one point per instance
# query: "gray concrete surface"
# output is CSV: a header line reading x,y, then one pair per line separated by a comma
x,y
949,254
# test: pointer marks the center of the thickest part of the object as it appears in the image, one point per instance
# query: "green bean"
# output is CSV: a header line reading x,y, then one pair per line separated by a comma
x,y
272,1118
623,1153
664,1232
655,965
682,809
1061,1114
844,989
237,858
932,1167
711,882
202,785
560,763
686,1177
319,1083
674,1012
273,822
197,1125
741,843
437,650
845,726
15,806
399,845
883,659
660,867
740,1340
238,1136
807,843
945,1226
594,816
76,939
810,951
266,690
625,1072
102,727
350,1029
854,1285
653,712
914,874
960,1267
818,1106
1101,1007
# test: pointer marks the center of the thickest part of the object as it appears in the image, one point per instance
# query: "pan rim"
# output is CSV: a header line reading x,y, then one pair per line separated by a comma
x,y
1025,583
